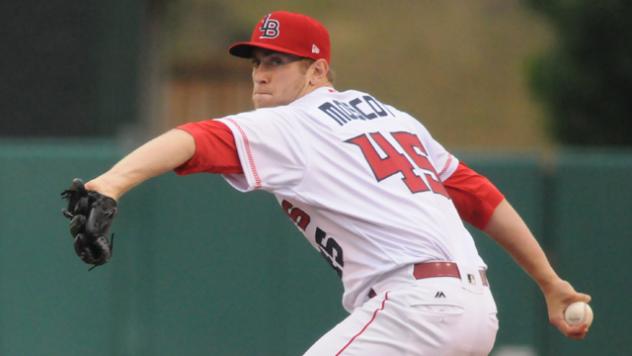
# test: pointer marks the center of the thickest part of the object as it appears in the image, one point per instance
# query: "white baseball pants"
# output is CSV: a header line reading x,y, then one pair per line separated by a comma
x,y
431,316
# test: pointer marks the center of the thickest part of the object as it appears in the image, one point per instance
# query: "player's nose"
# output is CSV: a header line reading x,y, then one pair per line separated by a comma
x,y
260,76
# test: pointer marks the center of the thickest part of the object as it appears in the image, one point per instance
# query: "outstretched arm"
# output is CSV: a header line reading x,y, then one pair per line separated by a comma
x,y
480,203
508,229
158,156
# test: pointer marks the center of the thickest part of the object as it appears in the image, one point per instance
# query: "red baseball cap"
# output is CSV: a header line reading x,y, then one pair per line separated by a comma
x,y
287,32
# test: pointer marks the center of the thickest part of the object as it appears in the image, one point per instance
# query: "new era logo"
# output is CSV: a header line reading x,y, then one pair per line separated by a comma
x,y
270,28
315,49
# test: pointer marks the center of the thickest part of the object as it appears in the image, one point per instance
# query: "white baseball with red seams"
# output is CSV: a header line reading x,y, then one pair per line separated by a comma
x,y
578,313
362,181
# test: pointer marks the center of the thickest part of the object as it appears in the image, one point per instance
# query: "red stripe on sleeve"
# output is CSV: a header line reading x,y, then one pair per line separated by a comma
x,y
215,150
474,196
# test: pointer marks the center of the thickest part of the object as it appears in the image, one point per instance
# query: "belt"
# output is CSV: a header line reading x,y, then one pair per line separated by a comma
x,y
440,269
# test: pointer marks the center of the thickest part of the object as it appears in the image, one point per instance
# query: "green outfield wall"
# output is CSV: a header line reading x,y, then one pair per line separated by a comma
x,y
201,269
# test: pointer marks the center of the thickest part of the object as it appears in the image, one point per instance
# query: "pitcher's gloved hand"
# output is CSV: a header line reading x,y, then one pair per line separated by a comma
x,y
91,215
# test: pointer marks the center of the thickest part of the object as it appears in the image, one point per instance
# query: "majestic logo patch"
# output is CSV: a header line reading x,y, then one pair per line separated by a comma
x,y
270,28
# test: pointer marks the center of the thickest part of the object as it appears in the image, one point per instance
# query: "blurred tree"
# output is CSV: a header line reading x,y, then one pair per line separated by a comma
x,y
585,80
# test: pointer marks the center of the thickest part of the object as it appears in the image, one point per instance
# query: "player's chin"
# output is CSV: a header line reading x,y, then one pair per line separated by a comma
x,y
263,101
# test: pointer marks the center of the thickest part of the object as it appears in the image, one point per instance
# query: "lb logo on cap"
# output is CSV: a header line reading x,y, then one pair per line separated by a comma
x,y
270,28
302,36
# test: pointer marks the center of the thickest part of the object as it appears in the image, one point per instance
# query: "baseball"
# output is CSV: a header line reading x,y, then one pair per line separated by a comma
x,y
578,313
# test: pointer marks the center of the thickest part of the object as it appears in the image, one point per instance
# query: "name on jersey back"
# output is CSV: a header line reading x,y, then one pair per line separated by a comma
x,y
360,108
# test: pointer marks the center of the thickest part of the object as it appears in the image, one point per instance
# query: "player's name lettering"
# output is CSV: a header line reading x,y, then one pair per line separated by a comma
x,y
365,108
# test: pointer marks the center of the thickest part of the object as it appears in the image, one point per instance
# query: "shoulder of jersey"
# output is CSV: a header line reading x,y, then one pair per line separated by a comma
x,y
259,113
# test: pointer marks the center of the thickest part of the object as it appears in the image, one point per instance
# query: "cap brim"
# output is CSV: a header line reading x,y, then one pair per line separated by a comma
x,y
244,49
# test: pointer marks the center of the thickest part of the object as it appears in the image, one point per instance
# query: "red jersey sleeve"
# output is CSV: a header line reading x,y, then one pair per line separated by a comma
x,y
474,196
215,150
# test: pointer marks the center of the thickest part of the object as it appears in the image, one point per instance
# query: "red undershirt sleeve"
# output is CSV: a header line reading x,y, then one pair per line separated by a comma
x,y
474,196
215,150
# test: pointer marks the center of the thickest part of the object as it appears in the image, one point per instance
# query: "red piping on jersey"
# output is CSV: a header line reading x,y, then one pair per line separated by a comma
x,y
251,160
445,167
365,326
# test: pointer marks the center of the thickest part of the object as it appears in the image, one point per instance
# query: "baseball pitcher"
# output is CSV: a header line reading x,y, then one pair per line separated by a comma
x,y
366,183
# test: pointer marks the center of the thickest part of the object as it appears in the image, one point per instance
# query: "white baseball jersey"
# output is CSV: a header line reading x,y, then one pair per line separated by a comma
x,y
360,179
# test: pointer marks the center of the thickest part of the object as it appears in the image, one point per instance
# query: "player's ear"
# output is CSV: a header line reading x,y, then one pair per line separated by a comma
x,y
320,68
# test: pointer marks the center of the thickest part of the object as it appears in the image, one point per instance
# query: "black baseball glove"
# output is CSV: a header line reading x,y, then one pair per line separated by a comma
x,y
90,215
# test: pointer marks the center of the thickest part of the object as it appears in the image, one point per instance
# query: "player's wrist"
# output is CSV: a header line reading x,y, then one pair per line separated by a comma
x,y
106,186
548,282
